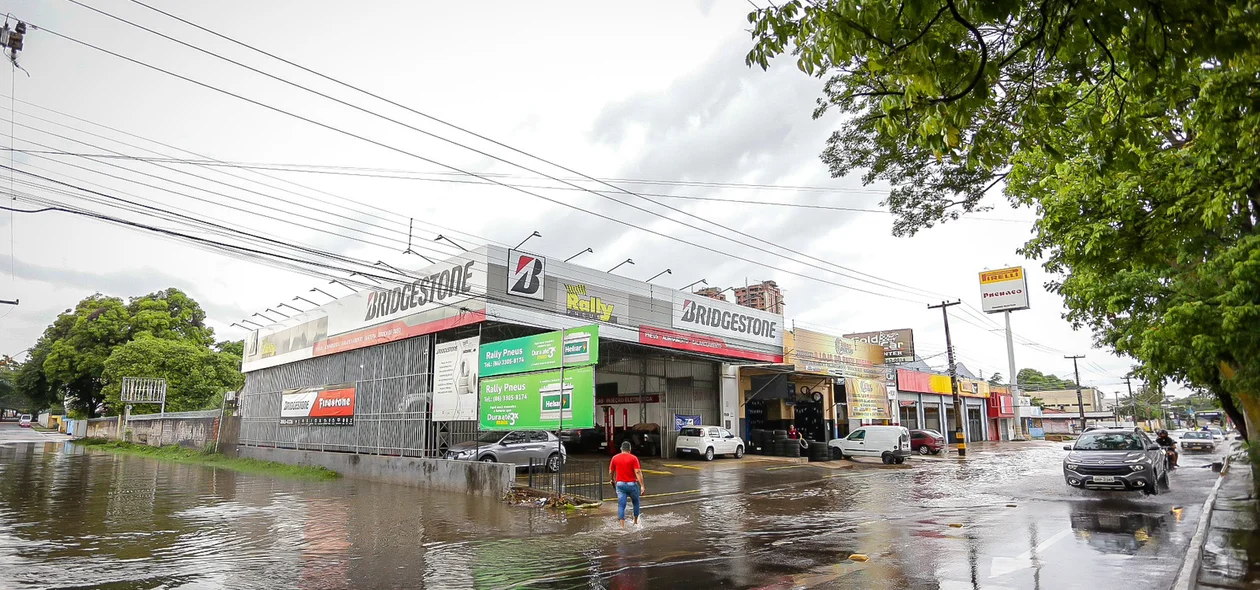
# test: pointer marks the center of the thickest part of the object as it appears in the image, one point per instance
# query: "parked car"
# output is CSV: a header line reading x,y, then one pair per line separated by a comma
x,y
708,442
644,437
1198,441
927,441
25,421
890,443
517,447
583,439
1217,433
1116,459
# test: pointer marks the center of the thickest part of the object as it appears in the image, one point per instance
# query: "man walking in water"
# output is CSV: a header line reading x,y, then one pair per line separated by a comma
x,y
627,476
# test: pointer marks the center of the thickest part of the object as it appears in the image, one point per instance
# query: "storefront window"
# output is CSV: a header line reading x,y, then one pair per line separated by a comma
x,y
910,417
932,418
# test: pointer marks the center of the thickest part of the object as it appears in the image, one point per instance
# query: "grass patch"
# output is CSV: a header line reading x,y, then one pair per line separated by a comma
x,y
180,454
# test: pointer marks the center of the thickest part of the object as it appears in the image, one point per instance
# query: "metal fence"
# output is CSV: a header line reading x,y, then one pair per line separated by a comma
x,y
392,403
583,480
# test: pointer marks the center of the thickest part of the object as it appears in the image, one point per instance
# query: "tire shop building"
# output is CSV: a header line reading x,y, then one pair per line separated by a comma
x,y
826,386
393,371
924,401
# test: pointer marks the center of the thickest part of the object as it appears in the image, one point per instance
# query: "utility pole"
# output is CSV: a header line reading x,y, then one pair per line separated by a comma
x,y
959,434
1080,401
1132,400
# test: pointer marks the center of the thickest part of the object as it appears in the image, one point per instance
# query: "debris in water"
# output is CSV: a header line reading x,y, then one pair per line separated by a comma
x,y
1010,506
858,557
956,525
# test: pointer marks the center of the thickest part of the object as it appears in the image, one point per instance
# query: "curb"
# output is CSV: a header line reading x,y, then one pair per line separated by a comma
x,y
1188,575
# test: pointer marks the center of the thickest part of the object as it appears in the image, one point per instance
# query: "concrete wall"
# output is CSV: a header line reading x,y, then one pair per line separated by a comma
x,y
103,427
482,479
187,429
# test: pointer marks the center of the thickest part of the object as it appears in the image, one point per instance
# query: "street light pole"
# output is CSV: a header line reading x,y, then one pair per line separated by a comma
x,y
959,434
1132,400
1080,401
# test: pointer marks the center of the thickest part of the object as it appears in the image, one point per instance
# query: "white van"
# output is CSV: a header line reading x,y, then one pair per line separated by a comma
x,y
890,443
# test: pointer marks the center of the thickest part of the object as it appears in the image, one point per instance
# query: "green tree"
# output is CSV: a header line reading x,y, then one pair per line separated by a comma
x,y
194,374
1033,380
69,361
1129,127
995,379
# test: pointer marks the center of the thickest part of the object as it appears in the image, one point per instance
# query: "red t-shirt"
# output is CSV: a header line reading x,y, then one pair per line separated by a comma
x,y
623,467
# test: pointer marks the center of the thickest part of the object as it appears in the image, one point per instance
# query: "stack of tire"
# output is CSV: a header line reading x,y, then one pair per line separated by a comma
x,y
819,451
784,446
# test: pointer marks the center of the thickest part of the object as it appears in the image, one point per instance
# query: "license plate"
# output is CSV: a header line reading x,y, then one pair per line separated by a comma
x,y
1104,479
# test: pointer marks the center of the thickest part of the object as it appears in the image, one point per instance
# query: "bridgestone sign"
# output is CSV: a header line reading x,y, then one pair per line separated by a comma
x,y
1004,289
698,315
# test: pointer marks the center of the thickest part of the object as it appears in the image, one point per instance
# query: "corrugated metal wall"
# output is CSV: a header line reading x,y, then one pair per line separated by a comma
x,y
392,396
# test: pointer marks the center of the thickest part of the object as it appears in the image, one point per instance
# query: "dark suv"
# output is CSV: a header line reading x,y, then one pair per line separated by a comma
x,y
1116,459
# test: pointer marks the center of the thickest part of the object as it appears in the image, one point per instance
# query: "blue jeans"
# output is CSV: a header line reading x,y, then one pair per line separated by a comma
x,y
626,489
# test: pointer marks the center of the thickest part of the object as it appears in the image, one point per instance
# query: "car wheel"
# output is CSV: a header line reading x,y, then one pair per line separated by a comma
x,y
900,460
487,459
924,450
1163,481
739,452
708,454
553,462
887,458
837,454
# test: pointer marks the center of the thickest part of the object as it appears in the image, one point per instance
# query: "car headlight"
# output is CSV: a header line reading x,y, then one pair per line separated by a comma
x,y
1142,459
1072,466
1139,468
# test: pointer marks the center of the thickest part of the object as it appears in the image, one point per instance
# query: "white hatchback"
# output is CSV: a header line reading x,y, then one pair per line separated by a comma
x,y
707,442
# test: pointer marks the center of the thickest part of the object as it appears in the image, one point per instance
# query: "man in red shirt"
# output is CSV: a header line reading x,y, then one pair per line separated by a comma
x,y
627,477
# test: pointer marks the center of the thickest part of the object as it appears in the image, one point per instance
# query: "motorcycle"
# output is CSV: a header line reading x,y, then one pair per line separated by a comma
x,y
1171,454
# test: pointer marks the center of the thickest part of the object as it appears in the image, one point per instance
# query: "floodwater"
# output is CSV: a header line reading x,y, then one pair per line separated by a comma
x,y
76,518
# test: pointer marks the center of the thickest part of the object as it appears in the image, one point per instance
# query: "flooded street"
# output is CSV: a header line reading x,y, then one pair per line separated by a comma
x,y
73,518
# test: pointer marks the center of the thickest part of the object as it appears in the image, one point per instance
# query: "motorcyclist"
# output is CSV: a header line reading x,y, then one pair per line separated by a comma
x,y
1170,447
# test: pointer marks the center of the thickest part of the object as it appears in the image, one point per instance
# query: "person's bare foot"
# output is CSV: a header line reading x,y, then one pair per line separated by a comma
x,y
623,523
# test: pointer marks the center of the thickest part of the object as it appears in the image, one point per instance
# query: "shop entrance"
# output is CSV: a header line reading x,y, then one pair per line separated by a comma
x,y
932,418
975,421
910,416
809,417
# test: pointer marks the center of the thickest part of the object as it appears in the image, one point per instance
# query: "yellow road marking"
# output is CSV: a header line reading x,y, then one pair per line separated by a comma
x,y
653,472
682,466
670,494
786,467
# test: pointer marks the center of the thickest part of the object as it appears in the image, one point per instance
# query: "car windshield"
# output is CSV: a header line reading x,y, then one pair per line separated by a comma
x,y
1109,441
1197,435
931,433
691,432
490,437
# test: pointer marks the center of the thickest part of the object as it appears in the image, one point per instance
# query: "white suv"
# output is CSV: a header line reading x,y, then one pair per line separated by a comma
x,y
707,442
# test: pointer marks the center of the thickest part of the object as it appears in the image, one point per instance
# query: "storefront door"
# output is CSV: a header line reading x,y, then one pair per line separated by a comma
x,y
975,421
932,417
910,416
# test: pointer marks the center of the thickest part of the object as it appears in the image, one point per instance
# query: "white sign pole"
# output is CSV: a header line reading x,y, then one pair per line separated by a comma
x,y
1014,381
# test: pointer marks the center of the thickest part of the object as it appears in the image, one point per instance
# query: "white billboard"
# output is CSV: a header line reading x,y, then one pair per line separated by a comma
x,y
1005,289
726,320
455,379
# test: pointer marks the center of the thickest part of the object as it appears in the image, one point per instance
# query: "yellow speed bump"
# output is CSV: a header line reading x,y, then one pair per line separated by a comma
x,y
681,466
654,472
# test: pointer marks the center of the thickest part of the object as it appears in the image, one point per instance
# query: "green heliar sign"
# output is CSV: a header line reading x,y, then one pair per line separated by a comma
x,y
539,401
580,348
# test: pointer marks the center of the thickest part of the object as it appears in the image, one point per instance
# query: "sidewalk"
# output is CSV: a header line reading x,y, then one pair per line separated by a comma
x,y
1230,554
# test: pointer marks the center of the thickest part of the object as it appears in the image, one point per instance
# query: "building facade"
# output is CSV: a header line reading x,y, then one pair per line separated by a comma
x,y
1065,399
765,296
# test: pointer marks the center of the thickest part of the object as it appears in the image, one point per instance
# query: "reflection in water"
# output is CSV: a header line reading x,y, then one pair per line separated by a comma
x,y
1115,526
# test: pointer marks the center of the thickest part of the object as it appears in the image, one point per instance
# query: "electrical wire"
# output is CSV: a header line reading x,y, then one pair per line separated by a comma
x,y
477,151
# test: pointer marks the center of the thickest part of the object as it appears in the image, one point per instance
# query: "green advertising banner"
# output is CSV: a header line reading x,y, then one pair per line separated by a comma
x,y
536,401
541,352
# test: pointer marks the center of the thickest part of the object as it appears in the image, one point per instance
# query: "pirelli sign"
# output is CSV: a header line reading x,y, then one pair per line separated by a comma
x,y
1004,289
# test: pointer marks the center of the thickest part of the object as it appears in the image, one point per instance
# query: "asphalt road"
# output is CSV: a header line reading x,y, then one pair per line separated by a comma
x,y
1001,518
10,433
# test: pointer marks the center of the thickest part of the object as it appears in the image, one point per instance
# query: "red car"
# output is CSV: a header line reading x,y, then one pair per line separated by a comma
x,y
927,441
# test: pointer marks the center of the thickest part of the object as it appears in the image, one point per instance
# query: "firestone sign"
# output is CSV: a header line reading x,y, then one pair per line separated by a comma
x,y
1005,289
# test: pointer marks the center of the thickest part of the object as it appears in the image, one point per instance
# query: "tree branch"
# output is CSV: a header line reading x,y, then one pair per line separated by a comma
x,y
984,55
916,38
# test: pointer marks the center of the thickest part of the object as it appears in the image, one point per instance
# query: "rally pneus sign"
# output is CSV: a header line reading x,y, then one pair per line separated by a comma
x,y
526,275
718,318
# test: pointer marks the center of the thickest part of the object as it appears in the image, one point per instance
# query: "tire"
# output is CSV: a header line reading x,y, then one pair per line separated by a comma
x,y
900,460
708,454
1163,481
837,454
553,462
487,459
924,450
739,452
887,458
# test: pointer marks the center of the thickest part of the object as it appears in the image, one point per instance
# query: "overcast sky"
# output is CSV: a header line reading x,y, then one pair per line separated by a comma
x,y
644,90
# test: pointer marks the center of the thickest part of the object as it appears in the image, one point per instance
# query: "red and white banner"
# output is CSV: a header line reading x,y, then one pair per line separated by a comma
x,y
330,405
697,343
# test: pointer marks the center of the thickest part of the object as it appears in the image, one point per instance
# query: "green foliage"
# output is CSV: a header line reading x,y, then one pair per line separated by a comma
x,y
81,358
1130,128
996,379
1031,380
206,458
194,374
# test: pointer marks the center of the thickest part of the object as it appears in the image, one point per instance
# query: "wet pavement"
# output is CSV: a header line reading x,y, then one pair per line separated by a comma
x,y
1002,518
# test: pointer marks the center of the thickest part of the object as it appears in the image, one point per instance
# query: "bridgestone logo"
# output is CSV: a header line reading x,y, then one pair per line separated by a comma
x,y
435,287
694,313
301,404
